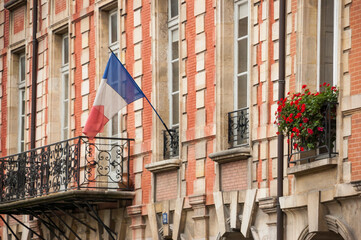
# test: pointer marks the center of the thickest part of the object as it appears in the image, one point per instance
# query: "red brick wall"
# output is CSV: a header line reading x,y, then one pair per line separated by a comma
x,y
355,147
355,73
234,175
354,60
60,5
18,17
166,185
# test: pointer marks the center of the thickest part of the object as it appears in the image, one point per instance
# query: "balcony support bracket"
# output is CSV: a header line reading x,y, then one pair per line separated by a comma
x,y
55,226
24,225
96,217
65,224
46,224
8,226
74,217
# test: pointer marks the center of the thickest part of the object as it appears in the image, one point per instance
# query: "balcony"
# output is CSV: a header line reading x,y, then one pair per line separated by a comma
x,y
77,174
322,156
171,143
238,127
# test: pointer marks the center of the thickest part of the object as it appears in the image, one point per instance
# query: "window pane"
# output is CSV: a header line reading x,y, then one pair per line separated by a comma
x,y
175,76
242,27
22,102
65,50
242,55
66,114
175,109
243,10
22,68
326,42
173,8
66,86
242,91
175,43
114,130
113,28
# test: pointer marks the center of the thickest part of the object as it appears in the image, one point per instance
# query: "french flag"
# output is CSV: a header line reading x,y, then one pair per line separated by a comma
x,y
116,90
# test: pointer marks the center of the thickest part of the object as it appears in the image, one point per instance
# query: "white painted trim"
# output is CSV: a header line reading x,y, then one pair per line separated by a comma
x,y
318,43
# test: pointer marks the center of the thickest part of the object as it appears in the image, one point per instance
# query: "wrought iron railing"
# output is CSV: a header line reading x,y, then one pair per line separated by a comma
x,y
76,163
238,127
171,143
325,146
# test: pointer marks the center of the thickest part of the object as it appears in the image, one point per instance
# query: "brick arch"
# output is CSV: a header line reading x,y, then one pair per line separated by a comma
x,y
334,225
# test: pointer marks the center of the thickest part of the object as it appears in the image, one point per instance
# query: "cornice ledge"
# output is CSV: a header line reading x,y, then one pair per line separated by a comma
x,y
230,155
11,5
165,165
268,204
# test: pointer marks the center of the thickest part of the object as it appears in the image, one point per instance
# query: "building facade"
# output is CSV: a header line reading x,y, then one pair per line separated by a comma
x,y
211,70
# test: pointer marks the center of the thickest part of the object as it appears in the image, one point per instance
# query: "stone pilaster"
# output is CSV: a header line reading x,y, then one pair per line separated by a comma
x,y
200,216
137,223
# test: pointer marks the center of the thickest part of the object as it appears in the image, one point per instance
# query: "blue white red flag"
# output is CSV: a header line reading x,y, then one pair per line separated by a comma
x,y
116,90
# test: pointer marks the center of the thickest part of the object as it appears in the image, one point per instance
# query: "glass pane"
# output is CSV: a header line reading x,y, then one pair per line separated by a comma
x,y
243,10
113,28
175,76
66,114
175,109
65,133
242,56
66,86
242,27
175,43
23,102
326,42
65,50
114,130
242,92
173,8
22,68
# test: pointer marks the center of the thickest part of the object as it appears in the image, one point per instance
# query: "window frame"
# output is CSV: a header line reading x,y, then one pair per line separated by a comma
x,y
237,5
64,70
335,69
22,104
114,46
173,25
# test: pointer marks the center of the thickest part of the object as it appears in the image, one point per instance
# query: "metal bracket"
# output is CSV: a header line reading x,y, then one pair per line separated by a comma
x,y
8,226
97,218
26,226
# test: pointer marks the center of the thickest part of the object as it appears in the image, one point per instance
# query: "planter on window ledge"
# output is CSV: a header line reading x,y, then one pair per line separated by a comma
x,y
309,122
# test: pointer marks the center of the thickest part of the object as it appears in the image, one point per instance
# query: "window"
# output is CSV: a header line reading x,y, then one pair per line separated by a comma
x,y
21,138
65,87
113,44
241,56
238,133
326,37
171,144
173,63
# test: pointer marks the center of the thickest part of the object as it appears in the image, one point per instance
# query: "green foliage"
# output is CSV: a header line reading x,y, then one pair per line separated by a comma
x,y
301,116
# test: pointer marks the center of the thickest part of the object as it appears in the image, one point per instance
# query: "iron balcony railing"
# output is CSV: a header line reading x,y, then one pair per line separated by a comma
x,y
76,163
326,142
238,127
171,143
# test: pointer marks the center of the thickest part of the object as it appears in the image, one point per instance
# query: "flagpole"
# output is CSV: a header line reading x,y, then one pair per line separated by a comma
x,y
169,132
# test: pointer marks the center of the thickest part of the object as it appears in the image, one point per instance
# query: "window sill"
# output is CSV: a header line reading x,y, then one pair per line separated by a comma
x,y
230,155
165,165
11,5
312,167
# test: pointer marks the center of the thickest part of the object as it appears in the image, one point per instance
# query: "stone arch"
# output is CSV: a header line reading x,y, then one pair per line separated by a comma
x,y
334,225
